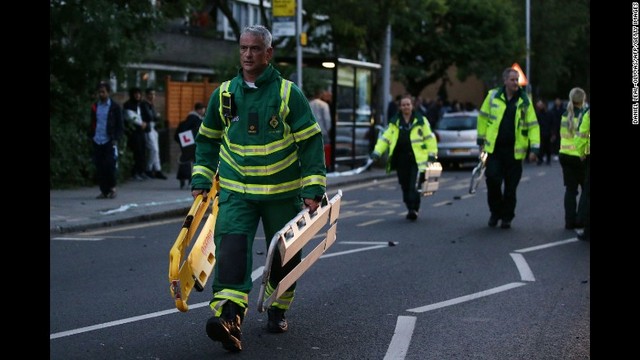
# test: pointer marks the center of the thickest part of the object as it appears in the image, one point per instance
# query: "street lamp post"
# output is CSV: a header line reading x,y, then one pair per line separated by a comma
x,y
528,35
298,42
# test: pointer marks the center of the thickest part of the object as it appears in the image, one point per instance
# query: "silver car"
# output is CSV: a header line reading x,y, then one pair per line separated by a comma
x,y
457,135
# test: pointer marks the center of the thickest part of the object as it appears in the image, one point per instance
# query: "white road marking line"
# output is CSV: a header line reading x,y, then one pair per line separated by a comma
x,y
465,298
442,203
548,245
256,274
369,222
401,338
353,251
77,239
82,238
363,242
135,226
523,268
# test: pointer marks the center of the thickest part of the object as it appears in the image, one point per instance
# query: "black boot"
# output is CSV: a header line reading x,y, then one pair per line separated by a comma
x,y
277,322
226,328
160,175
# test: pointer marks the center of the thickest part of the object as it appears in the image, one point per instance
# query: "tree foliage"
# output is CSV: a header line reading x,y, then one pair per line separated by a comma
x,y
89,41
560,46
478,37
428,36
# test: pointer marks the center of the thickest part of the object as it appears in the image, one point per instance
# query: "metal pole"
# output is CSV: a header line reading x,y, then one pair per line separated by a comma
x,y
299,46
528,14
386,75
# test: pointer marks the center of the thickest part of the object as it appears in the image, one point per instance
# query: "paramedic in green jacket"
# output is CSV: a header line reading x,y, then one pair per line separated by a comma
x,y
260,137
507,126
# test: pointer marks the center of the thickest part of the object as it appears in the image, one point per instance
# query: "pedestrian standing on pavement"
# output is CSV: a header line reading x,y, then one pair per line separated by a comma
x,y
151,117
135,129
322,113
573,167
411,145
507,125
185,136
106,129
583,145
260,138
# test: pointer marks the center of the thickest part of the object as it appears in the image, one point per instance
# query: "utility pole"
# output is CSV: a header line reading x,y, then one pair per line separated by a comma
x,y
528,15
298,42
386,75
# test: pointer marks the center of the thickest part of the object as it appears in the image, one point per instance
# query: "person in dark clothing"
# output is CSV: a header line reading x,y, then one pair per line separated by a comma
x,y
411,145
545,123
507,125
573,165
435,112
135,129
106,129
556,116
185,136
392,107
151,117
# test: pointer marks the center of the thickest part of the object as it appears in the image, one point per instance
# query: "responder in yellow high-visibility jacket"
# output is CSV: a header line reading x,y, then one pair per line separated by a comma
x,y
411,145
573,167
507,126
583,145
261,138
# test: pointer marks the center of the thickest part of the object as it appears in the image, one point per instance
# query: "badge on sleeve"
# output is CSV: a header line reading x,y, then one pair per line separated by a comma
x,y
274,121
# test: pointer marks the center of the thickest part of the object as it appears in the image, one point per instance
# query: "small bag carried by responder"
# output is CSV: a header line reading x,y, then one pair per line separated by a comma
x,y
431,179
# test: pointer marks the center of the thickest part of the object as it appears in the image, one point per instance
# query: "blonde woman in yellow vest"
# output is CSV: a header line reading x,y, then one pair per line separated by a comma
x,y
573,168
583,144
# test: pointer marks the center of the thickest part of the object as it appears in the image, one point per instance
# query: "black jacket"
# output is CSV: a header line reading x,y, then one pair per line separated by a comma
x,y
115,122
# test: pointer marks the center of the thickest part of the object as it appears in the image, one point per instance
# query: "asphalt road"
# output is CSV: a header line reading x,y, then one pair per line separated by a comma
x,y
449,288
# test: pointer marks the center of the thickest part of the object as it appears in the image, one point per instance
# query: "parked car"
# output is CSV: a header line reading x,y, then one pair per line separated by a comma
x,y
358,132
457,136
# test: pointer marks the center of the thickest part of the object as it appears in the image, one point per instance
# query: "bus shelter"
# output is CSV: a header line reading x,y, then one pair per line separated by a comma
x,y
353,131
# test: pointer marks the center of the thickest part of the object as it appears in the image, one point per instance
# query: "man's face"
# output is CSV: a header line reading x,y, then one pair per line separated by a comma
x,y
254,57
151,96
103,94
511,83
326,96
406,106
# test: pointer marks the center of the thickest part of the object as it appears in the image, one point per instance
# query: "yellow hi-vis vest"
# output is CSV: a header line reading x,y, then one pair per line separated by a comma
x,y
567,137
423,141
527,128
583,135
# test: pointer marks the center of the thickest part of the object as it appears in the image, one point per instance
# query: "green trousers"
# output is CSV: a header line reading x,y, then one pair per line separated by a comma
x,y
235,230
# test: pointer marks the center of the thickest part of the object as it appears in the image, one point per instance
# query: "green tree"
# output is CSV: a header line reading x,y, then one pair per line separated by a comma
x,y
560,45
89,41
478,37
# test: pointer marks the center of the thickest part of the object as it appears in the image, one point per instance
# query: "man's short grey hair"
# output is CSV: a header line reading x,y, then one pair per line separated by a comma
x,y
260,31
507,71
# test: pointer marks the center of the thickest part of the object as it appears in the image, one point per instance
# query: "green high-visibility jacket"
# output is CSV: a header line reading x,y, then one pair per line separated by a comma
x,y
526,124
423,140
267,146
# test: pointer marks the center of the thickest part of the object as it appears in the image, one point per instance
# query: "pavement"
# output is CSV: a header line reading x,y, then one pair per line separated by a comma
x,y
77,210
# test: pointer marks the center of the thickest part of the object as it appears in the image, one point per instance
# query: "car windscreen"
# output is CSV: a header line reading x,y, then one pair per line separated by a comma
x,y
457,123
